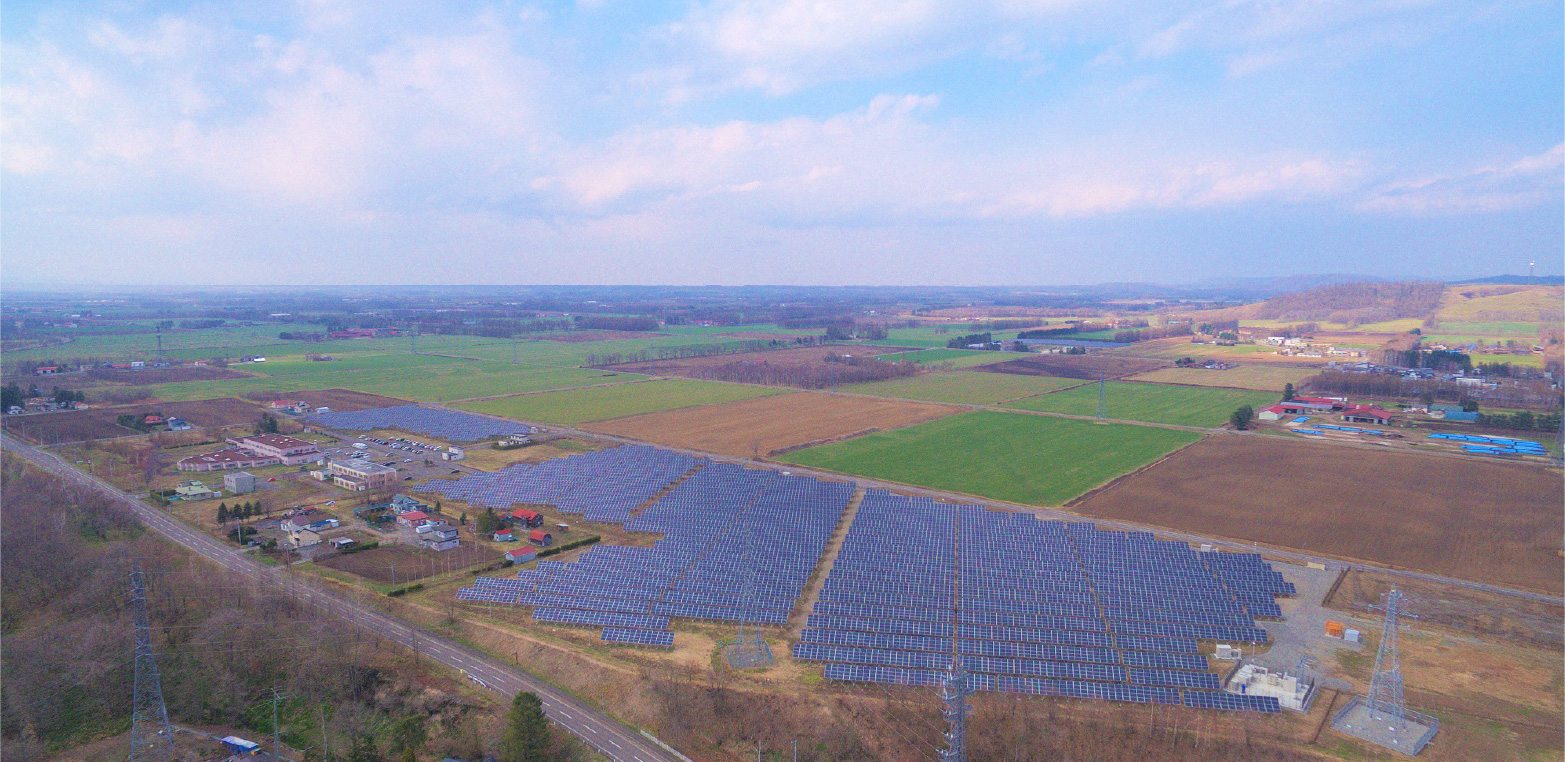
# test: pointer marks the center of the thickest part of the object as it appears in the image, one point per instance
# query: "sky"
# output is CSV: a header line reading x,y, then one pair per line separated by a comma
x,y
900,142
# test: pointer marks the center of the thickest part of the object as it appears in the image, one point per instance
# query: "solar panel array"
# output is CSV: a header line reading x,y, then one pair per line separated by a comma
x,y
737,545
1036,607
436,422
606,485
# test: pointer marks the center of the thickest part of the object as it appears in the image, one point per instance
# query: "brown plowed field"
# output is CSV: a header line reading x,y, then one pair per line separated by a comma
x,y
1091,367
402,564
339,400
794,356
80,425
767,424
1490,522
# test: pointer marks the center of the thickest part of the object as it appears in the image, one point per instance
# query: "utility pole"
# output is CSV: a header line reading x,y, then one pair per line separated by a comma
x,y
276,696
149,729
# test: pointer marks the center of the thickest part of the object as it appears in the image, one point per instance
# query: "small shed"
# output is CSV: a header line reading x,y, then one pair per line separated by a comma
x,y
540,538
520,555
526,517
504,535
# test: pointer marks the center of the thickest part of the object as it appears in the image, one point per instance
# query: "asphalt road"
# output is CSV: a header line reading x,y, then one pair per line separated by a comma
x,y
868,483
606,734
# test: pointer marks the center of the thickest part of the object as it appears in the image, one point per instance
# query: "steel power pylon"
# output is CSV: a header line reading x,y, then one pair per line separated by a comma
x,y
149,731
954,691
749,649
1103,408
1385,684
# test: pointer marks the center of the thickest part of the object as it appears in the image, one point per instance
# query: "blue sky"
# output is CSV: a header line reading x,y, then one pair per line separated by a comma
x,y
779,141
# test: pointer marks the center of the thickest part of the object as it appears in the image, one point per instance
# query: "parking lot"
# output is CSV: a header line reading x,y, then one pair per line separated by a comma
x,y
413,460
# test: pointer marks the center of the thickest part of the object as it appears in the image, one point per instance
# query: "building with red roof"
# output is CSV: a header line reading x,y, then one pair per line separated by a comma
x,y
529,518
1366,414
412,518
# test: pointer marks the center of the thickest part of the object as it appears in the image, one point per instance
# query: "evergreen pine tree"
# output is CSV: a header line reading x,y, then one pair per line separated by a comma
x,y
527,730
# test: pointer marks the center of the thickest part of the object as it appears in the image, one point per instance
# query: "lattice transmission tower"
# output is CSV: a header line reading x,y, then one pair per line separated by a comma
x,y
150,736
749,649
1103,408
1384,699
954,692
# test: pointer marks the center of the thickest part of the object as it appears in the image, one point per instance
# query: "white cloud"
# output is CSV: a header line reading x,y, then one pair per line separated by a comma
x,y
1521,184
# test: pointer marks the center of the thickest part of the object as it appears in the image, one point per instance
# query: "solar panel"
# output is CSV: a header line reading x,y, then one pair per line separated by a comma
x,y
1231,702
657,638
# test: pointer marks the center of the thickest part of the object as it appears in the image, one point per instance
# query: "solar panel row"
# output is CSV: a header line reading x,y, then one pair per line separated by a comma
x,y
1049,608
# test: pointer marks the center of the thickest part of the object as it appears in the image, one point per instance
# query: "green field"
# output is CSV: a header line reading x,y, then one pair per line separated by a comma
x,y
1155,403
963,387
1491,330
956,358
615,401
1027,459
421,378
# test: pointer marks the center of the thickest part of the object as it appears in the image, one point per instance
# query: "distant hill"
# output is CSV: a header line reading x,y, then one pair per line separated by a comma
x,y
1515,280
1281,284
1362,302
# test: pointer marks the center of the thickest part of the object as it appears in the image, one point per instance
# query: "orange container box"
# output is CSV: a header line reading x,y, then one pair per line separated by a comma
x,y
1333,629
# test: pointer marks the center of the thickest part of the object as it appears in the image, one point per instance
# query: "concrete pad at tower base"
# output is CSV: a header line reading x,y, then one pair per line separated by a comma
x,y
1409,736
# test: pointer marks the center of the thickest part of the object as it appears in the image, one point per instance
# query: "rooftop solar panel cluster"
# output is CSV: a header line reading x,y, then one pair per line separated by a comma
x,y
737,545
445,424
1035,607
602,486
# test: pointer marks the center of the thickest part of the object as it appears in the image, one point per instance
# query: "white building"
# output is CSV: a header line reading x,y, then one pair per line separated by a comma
x,y
1290,690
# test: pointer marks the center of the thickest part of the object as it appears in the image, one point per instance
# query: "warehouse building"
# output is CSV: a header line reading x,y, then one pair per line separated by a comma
x,y
360,475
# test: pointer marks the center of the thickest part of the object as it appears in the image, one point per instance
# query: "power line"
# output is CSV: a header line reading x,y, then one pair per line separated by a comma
x,y
149,717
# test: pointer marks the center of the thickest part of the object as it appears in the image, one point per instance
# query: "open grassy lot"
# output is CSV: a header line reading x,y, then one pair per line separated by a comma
x,y
1468,518
1265,378
1155,403
964,387
599,403
772,424
489,459
1021,458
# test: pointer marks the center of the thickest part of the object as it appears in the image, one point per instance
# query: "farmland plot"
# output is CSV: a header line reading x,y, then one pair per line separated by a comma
x,y
765,425
1479,520
1028,459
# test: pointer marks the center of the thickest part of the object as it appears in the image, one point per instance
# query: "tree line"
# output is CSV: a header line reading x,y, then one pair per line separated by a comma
x,y
1534,394
1148,334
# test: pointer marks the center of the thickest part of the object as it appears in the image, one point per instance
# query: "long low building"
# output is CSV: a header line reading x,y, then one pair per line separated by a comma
x,y
221,460
289,450
254,452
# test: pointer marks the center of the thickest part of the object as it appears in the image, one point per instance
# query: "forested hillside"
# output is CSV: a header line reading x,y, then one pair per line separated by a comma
x,y
1356,303
222,646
